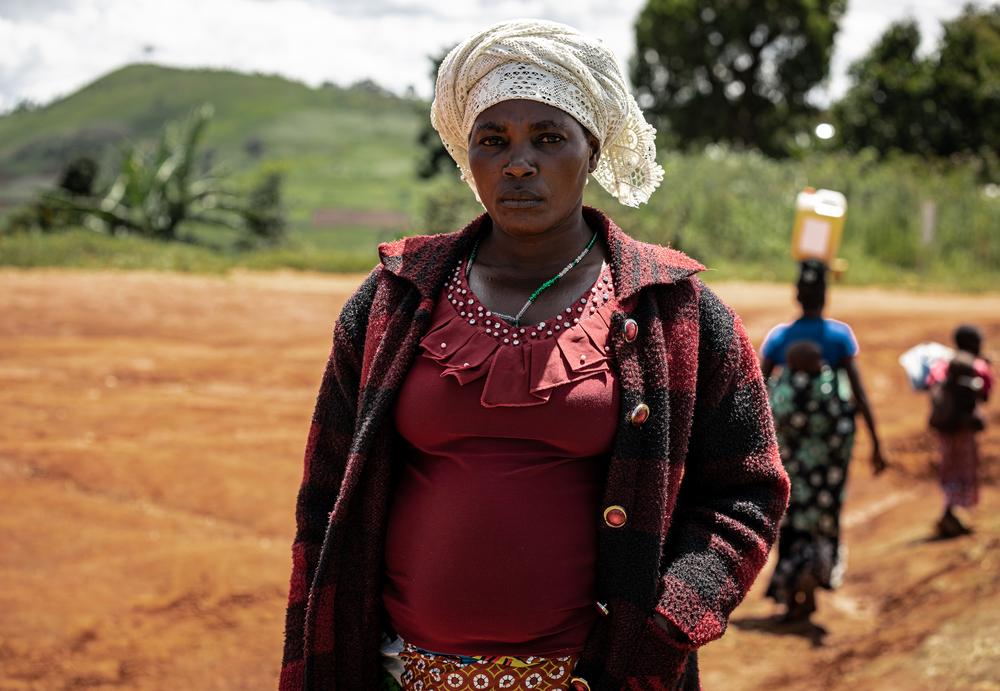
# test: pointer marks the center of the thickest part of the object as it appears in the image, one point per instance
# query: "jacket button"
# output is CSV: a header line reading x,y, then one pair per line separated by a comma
x,y
614,516
602,608
631,329
578,684
639,414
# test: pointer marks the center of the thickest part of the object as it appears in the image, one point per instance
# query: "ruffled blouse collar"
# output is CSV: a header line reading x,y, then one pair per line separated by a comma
x,y
521,366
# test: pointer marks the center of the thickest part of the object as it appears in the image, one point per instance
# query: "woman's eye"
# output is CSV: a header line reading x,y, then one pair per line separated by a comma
x,y
490,141
550,138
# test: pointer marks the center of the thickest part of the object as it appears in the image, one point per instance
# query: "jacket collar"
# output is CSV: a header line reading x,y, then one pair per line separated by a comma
x,y
424,260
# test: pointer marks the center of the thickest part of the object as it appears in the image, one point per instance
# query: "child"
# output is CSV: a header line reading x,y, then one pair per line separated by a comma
x,y
804,356
957,386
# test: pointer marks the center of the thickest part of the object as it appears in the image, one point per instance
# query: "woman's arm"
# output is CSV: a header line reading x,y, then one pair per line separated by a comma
x,y
850,366
328,445
734,490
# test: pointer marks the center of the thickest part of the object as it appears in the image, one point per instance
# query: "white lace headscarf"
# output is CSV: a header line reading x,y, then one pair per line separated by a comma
x,y
554,64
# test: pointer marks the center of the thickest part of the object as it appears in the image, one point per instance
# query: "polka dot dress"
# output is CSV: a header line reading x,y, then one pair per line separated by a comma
x,y
815,426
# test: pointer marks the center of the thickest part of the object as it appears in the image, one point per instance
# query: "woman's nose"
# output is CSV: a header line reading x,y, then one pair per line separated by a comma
x,y
520,164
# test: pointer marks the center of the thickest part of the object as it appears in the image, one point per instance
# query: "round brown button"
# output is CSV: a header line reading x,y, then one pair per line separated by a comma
x,y
639,414
631,328
579,684
615,516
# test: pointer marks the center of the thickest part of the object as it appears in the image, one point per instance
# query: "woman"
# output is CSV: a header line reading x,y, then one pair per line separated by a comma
x,y
541,455
814,417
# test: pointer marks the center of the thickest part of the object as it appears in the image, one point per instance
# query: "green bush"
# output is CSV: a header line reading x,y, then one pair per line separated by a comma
x,y
735,210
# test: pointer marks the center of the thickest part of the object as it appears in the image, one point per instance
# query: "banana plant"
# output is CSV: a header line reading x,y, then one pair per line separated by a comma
x,y
155,192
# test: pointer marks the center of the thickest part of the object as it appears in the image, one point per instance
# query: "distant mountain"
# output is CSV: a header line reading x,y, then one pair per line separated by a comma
x,y
339,147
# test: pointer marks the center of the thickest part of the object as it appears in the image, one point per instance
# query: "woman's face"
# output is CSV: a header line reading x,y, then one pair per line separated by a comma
x,y
530,162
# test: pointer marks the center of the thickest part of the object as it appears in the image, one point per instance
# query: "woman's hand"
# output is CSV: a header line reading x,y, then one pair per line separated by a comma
x,y
668,626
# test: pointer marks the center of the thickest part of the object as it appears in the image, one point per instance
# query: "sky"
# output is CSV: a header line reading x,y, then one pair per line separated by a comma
x,y
50,48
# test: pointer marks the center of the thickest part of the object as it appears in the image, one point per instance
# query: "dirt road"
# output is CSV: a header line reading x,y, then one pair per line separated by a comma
x,y
150,451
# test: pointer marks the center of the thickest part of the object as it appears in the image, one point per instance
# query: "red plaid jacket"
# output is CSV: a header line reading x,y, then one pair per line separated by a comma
x,y
700,480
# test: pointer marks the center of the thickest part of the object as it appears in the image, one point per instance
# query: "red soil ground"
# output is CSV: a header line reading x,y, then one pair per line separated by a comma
x,y
150,451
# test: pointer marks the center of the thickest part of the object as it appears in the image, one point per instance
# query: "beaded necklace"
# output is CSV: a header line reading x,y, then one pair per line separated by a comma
x,y
515,320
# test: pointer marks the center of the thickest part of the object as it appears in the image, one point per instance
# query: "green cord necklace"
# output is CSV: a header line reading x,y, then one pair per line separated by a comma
x,y
515,320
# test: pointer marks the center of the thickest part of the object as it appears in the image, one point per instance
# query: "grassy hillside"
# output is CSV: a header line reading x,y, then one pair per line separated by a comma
x,y
345,148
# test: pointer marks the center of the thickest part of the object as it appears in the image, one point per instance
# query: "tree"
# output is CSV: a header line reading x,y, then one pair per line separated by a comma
x,y
370,86
264,214
434,158
940,105
966,83
79,175
889,107
736,71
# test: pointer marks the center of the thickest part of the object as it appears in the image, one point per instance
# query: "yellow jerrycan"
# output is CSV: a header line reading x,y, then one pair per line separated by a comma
x,y
819,224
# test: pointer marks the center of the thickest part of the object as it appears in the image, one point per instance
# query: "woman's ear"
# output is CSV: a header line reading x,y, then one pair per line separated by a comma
x,y
595,152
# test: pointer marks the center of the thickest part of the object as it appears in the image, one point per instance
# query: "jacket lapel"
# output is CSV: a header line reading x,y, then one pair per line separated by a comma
x,y
425,260
400,315
639,265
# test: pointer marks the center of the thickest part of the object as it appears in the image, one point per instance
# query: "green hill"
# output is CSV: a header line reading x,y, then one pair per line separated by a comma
x,y
340,148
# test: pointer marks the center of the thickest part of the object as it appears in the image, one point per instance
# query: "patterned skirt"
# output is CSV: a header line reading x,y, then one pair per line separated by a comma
x,y
409,668
959,467
815,427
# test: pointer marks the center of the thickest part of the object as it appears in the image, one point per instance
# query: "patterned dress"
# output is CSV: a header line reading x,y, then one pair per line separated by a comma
x,y
421,670
815,426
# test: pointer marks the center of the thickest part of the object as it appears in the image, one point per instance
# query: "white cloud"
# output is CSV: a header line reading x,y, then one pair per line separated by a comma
x,y
59,46
52,47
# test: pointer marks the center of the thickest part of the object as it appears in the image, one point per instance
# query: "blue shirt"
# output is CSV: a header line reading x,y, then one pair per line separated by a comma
x,y
835,339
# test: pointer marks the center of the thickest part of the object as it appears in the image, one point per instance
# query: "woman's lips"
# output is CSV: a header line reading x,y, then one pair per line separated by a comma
x,y
521,202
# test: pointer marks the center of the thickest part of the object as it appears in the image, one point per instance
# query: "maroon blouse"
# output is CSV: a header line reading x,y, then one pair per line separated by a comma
x,y
492,542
